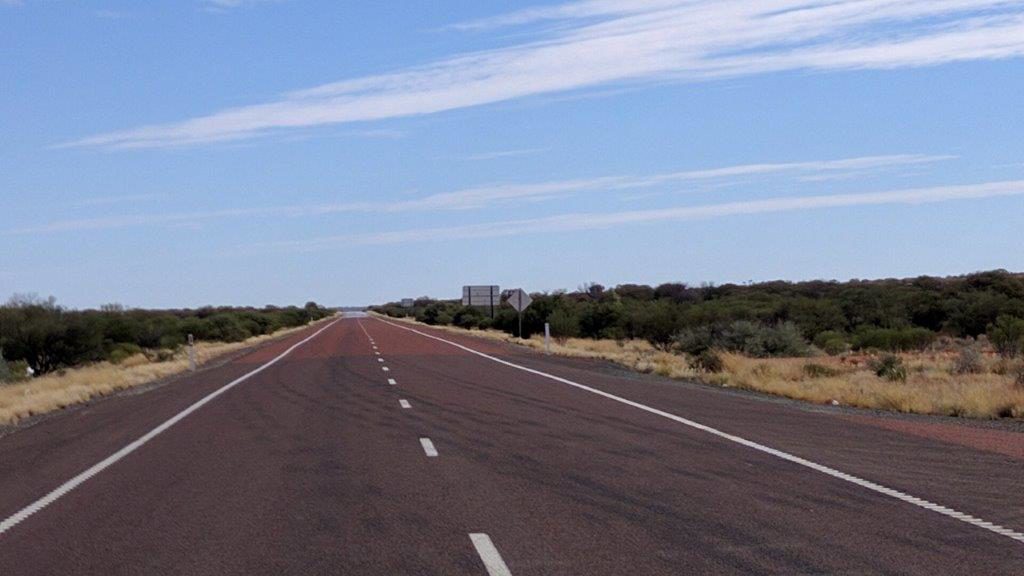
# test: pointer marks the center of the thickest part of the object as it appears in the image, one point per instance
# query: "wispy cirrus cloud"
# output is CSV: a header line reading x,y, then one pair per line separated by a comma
x,y
496,194
602,43
594,221
225,5
498,154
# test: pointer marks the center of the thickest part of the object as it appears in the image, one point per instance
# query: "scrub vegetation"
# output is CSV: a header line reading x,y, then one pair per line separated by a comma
x,y
53,357
950,346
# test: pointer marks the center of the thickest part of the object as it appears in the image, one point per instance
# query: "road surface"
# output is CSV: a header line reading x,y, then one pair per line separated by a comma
x,y
368,447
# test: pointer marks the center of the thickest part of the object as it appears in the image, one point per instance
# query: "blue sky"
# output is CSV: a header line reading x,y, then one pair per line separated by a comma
x,y
199,152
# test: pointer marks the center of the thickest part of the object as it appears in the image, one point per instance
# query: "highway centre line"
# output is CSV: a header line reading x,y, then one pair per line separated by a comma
x,y
404,403
869,485
428,447
392,381
489,554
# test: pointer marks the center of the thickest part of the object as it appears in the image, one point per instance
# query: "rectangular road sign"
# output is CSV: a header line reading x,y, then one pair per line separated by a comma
x,y
485,297
481,296
408,302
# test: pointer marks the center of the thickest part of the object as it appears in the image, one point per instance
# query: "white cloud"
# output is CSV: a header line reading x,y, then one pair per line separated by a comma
x,y
497,154
496,194
592,221
599,43
225,5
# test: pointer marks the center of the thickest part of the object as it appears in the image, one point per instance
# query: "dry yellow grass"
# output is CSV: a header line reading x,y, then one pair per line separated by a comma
x,y
74,386
931,387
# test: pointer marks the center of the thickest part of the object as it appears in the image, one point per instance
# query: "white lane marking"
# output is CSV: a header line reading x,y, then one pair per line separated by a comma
x,y
404,403
385,368
428,447
116,456
380,359
944,510
489,554
377,353
392,381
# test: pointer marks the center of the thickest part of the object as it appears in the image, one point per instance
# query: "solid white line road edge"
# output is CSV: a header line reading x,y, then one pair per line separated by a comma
x,y
109,461
884,490
428,447
489,554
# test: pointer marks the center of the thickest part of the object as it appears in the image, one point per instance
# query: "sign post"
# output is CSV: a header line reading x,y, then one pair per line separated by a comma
x,y
519,300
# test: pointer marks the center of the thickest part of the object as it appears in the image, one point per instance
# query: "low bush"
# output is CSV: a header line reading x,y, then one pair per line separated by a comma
x,y
831,342
695,341
890,367
750,338
893,339
1007,336
122,352
813,370
707,361
969,361
11,372
564,324
466,317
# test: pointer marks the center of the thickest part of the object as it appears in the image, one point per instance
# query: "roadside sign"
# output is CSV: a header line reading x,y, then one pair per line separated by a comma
x,y
408,302
485,297
519,300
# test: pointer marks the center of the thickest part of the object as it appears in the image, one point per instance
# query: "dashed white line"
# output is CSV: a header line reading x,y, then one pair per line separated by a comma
x,y
377,353
109,461
874,487
489,554
392,381
404,403
385,368
428,447
380,359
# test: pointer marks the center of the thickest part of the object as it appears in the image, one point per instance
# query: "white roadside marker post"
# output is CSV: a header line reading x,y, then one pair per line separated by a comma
x,y
547,338
191,354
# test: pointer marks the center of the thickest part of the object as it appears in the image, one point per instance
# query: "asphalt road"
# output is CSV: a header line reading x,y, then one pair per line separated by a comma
x,y
376,448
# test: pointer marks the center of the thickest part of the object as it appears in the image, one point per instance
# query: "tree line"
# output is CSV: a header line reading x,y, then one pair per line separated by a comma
x,y
766,319
40,334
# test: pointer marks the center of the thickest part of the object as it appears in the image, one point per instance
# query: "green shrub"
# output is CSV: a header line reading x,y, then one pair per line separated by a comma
x,y
12,372
893,339
467,317
890,367
121,352
750,338
832,342
564,324
694,341
1007,336
707,361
